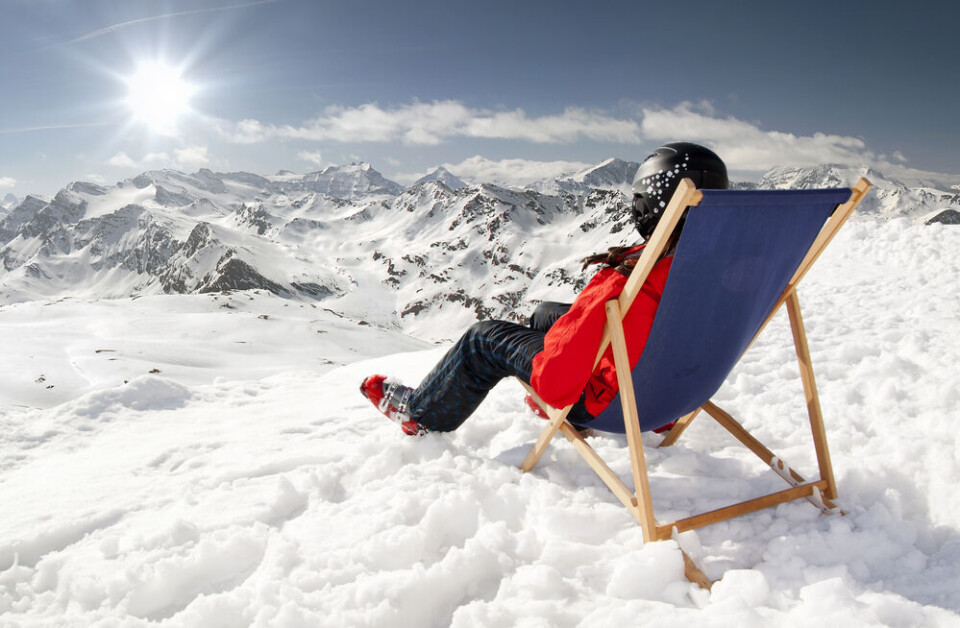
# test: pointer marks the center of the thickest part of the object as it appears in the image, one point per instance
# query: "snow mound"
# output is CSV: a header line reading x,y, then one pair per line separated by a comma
x,y
144,394
275,495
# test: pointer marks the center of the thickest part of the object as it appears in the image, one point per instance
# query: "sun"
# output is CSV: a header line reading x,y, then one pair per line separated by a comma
x,y
158,96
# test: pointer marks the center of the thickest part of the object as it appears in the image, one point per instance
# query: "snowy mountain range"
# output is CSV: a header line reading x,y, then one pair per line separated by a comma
x,y
921,202
429,258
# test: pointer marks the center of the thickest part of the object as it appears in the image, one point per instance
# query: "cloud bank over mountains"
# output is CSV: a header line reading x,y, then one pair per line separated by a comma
x,y
436,122
506,146
745,146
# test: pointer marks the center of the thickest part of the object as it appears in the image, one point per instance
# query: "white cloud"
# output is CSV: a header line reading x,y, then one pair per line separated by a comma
x,y
245,131
121,160
314,157
744,146
94,178
192,156
7,182
435,122
511,172
156,159
183,158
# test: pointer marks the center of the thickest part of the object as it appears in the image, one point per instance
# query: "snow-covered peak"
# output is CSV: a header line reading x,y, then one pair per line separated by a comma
x,y
85,187
889,197
350,182
9,201
611,174
444,176
806,178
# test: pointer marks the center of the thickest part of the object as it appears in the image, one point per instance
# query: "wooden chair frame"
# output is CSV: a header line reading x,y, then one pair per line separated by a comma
x,y
821,492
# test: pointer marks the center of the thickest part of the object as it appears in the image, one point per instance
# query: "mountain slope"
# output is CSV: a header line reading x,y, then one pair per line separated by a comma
x,y
430,251
889,198
444,176
429,259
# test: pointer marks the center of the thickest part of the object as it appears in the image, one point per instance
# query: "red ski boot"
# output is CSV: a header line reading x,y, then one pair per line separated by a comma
x,y
391,397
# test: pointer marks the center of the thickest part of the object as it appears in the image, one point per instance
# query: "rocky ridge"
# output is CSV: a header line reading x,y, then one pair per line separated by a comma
x,y
427,258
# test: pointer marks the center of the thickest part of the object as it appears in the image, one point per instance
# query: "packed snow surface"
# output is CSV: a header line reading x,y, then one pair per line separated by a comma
x,y
207,460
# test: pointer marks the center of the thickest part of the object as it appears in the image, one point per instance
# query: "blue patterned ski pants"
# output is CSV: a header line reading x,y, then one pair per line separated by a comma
x,y
488,352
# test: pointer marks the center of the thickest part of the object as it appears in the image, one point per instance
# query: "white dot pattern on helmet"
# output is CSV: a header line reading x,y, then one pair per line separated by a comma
x,y
659,182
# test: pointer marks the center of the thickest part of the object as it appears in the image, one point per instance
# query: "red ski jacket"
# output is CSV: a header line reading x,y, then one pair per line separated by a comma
x,y
563,370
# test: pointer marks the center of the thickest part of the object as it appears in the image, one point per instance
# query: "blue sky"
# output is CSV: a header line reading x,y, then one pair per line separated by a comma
x,y
488,89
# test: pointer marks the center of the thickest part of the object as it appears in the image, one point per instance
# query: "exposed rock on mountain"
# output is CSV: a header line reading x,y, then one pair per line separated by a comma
x,y
431,258
348,182
946,217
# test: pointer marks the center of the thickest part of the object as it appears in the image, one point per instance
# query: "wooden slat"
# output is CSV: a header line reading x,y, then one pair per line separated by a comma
x,y
679,427
631,420
557,418
741,434
609,477
826,235
750,441
830,229
665,531
812,396
693,573
684,196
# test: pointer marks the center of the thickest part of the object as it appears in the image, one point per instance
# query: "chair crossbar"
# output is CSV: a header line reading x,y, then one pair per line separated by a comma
x,y
738,510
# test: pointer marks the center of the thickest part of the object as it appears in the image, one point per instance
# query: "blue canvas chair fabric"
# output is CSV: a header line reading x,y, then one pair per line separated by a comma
x,y
736,254
739,258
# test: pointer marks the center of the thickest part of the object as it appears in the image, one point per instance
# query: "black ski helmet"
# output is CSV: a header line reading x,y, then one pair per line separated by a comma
x,y
660,173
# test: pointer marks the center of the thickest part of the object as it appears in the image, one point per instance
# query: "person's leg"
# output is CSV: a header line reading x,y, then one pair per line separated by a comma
x,y
546,314
488,352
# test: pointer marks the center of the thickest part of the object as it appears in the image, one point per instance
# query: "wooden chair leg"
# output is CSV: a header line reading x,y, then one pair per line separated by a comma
x,y
557,418
773,461
813,398
679,427
631,421
694,574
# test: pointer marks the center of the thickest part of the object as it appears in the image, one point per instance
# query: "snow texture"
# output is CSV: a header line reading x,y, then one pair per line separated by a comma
x,y
206,460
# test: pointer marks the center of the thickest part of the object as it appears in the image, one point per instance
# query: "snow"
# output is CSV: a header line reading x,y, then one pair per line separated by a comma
x,y
206,460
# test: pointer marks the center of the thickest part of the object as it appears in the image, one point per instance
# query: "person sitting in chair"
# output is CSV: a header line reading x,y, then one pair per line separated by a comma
x,y
554,353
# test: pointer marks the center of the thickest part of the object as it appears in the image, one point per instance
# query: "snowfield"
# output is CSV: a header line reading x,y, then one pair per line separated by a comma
x,y
207,460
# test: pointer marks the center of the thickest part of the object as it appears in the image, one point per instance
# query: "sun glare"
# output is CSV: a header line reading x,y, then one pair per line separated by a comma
x,y
157,96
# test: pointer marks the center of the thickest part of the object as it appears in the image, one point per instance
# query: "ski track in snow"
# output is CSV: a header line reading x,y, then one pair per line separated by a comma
x,y
247,482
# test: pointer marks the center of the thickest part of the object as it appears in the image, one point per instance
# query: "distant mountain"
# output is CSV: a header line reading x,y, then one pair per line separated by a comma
x,y
350,182
444,176
430,259
612,174
889,197
8,201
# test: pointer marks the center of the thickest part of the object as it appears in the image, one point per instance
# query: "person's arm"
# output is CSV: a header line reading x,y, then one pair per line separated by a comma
x,y
561,371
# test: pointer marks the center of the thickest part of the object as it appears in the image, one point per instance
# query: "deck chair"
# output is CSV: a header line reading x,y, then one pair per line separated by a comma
x,y
739,258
